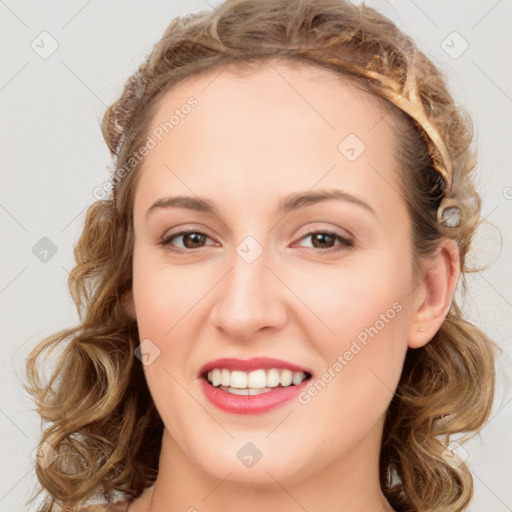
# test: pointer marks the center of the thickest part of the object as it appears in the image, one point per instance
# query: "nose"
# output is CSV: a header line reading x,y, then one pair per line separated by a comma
x,y
250,300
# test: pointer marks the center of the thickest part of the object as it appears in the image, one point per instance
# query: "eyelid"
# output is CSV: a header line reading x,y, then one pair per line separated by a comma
x,y
185,229
345,241
323,229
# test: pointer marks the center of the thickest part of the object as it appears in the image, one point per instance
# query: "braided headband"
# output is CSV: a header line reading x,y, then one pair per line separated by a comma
x,y
407,99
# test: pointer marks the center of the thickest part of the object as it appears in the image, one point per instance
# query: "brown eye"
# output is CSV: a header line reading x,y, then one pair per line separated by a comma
x,y
327,241
193,240
321,240
186,240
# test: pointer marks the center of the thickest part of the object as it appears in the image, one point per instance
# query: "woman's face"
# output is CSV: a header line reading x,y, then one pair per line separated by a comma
x,y
298,250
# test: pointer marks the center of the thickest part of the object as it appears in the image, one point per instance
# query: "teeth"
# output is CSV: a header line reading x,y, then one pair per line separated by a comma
x,y
216,377
245,391
225,379
297,378
238,379
257,379
273,378
286,377
255,382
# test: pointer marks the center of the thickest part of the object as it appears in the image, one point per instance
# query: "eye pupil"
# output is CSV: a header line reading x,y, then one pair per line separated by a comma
x,y
196,239
321,238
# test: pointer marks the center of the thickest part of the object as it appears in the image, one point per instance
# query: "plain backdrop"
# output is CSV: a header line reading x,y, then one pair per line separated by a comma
x,y
64,62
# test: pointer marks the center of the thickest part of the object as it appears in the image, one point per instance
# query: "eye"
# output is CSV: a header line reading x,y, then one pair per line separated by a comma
x,y
189,240
328,241
325,241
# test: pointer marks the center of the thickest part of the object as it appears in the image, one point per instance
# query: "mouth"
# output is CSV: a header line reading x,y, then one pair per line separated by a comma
x,y
252,386
255,382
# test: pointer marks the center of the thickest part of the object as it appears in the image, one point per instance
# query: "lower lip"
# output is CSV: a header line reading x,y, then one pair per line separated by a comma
x,y
251,404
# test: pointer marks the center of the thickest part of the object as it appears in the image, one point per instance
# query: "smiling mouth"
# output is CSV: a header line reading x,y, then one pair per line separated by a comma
x,y
255,382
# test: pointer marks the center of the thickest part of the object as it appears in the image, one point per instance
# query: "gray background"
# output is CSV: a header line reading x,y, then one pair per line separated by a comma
x,y
53,156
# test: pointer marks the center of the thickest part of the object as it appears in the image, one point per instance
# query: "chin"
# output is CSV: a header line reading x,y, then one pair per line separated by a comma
x,y
254,460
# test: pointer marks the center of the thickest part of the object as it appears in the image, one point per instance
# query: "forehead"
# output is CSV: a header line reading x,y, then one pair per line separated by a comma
x,y
267,124
281,81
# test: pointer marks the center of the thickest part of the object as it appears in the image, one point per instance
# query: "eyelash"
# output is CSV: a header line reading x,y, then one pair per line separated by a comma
x,y
345,243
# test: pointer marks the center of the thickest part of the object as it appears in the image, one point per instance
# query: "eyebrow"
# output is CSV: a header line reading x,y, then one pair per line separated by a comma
x,y
289,203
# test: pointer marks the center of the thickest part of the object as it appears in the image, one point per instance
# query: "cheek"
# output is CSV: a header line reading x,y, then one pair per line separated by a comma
x,y
171,310
340,301
165,294
360,328
164,300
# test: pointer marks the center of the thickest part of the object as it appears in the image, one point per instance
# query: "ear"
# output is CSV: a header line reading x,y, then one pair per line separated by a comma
x,y
129,304
434,293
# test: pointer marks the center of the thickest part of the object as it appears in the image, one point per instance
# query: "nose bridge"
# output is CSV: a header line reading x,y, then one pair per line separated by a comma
x,y
250,298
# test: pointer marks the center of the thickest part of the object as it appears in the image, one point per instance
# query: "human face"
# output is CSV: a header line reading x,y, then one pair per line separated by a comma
x,y
338,307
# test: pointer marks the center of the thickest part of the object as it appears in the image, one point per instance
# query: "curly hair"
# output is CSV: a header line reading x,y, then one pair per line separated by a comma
x,y
97,410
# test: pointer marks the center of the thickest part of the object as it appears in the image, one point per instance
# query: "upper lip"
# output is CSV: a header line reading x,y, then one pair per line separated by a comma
x,y
247,365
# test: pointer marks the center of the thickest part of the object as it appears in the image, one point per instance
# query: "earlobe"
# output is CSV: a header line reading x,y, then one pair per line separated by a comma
x,y
440,277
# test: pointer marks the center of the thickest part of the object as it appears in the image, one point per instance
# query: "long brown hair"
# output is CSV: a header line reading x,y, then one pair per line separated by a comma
x,y
97,410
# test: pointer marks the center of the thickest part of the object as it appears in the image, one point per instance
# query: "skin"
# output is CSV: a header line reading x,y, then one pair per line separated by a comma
x,y
253,139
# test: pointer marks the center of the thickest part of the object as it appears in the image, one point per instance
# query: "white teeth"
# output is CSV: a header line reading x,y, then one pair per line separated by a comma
x,y
257,379
255,382
258,391
297,378
238,391
225,379
273,378
238,379
286,377
245,391
216,377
